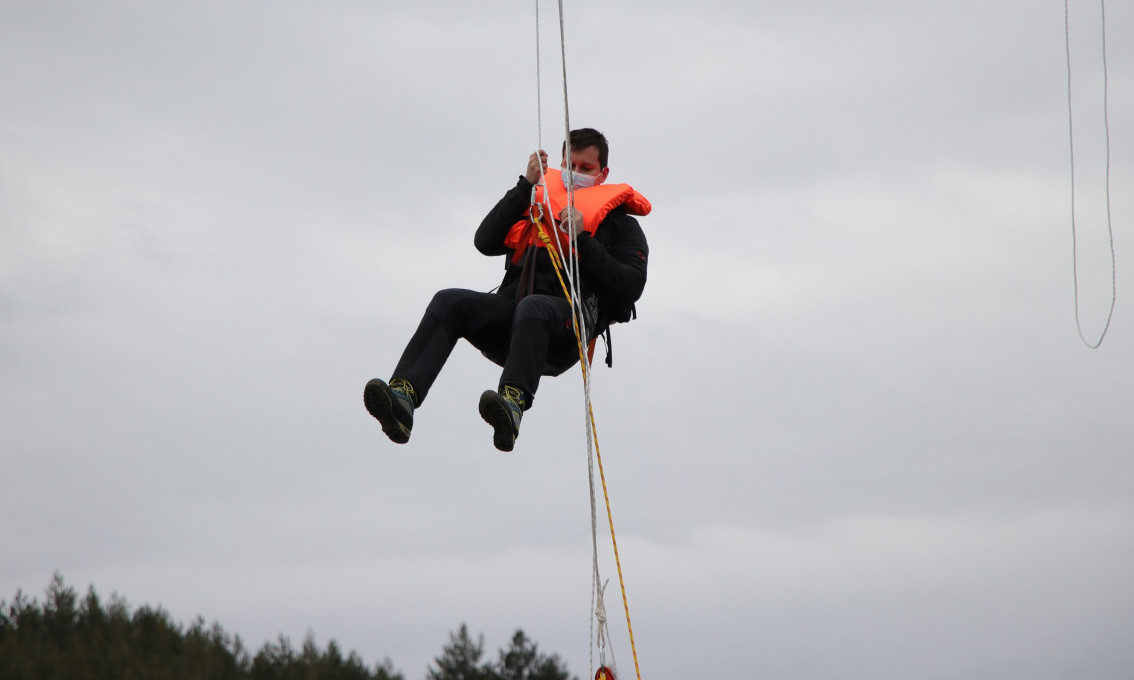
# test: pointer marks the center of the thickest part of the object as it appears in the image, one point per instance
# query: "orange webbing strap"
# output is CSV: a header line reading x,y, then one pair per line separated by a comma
x,y
556,263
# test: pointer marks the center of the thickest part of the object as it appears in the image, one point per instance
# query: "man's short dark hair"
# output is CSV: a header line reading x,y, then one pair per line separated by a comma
x,y
588,137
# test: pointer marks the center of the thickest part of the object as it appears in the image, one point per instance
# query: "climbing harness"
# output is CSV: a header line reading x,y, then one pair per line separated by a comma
x,y
1071,135
566,267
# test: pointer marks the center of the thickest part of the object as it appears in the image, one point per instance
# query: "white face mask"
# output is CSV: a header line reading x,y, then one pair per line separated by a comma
x,y
580,180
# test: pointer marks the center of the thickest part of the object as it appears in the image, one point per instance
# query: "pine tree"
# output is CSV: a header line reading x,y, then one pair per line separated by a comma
x,y
385,671
523,661
460,659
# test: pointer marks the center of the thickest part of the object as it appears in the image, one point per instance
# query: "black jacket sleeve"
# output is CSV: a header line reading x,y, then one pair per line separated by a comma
x,y
613,261
489,239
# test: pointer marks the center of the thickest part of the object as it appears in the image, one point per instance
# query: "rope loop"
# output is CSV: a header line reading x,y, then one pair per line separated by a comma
x,y
1071,144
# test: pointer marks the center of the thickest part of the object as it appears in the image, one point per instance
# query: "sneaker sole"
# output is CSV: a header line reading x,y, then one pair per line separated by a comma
x,y
500,418
379,400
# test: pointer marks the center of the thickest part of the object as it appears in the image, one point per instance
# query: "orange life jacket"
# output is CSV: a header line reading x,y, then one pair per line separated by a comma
x,y
593,202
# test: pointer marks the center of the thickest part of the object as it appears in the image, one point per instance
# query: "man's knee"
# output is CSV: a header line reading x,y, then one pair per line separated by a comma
x,y
445,301
541,308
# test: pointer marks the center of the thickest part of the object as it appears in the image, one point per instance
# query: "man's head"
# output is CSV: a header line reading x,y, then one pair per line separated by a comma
x,y
589,153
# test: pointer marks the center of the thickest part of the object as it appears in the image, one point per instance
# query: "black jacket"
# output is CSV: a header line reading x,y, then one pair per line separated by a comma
x,y
612,263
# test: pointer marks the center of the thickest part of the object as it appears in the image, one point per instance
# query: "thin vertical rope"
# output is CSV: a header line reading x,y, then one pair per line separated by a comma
x,y
539,85
581,334
1071,144
572,291
573,267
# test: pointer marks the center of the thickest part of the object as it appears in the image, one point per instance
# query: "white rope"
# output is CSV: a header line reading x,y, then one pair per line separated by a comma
x,y
600,631
573,258
539,87
1071,136
601,636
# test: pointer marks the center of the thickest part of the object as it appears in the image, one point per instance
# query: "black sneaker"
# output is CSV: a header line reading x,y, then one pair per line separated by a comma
x,y
503,411
392,405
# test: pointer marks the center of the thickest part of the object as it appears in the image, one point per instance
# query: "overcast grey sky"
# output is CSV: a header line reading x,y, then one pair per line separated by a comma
x,y
852,434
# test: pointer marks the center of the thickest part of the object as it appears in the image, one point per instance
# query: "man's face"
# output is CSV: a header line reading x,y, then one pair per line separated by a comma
x,y
586,161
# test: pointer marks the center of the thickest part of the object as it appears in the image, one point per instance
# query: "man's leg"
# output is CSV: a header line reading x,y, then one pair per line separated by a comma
x,y
542,323
483,318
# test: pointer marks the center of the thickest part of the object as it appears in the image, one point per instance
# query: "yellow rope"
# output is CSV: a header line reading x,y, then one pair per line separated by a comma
x,y
553,252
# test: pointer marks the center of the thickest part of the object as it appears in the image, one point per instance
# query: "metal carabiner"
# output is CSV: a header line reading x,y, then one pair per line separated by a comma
x,y
535,212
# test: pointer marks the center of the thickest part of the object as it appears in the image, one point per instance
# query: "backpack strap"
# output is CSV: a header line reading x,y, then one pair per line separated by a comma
x,y
605,333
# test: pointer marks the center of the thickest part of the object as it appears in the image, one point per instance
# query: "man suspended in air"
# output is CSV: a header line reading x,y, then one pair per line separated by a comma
x,y
526,326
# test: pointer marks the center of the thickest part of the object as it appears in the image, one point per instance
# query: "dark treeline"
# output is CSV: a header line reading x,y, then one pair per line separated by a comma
x,y
71,638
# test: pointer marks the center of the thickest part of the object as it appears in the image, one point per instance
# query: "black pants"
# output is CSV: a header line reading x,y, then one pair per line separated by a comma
x,y
529,339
